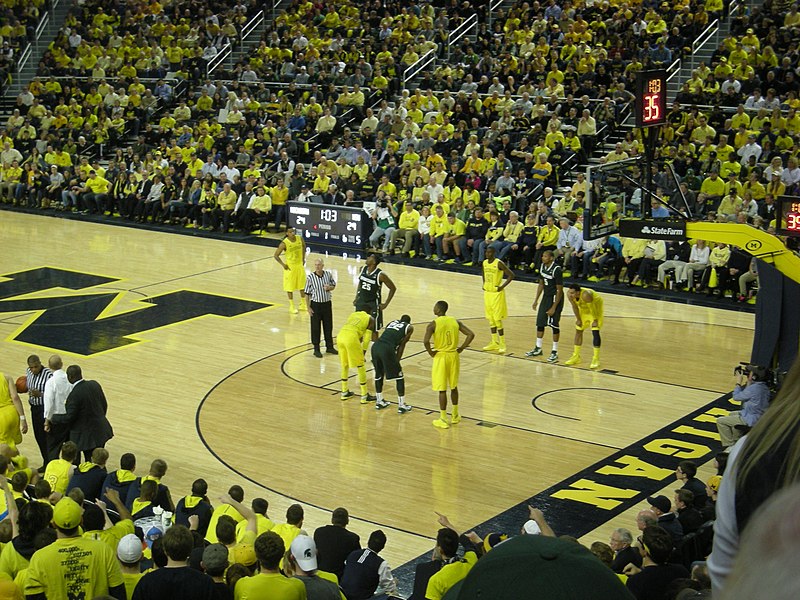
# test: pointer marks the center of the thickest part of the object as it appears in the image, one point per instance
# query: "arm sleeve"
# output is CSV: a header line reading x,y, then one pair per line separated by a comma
x,y
49,398
72,409
386,580
726,530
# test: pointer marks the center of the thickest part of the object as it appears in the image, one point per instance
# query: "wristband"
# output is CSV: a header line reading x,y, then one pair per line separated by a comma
x,y
22,418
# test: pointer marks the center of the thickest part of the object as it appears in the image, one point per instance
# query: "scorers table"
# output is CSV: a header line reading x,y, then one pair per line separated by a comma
x,y
330,225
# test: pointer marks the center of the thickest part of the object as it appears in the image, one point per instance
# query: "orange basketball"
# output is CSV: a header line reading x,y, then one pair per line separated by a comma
x,y
22,384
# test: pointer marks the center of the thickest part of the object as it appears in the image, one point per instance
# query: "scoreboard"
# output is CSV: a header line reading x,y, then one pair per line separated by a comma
x,y
330,225
651,98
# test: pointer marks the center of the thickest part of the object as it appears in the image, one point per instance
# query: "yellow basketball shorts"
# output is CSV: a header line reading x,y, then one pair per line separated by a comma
x,y
444,374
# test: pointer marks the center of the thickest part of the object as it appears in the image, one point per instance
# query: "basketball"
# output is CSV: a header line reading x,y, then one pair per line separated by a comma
x,y
22,384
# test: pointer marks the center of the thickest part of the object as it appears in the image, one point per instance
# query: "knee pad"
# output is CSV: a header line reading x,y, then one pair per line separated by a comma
x,y
596,337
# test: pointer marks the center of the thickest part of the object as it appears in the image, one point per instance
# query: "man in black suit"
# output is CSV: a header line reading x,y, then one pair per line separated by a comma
x,y
624,553
335,543
86,408
667,519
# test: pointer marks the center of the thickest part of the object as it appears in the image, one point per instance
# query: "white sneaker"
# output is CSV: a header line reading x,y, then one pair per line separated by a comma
x,y
403,409
381,404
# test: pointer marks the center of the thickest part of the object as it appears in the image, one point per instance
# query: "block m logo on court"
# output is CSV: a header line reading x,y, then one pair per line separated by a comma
x,y
83,324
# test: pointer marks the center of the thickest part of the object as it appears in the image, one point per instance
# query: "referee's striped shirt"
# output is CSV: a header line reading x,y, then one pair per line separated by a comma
x,y
37,382
315,286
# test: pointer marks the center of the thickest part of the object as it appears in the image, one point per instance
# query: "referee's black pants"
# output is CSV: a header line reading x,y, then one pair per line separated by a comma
x,y
322,317
37,423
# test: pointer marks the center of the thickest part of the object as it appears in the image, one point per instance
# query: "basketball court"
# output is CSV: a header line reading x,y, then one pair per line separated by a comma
x,y
204,366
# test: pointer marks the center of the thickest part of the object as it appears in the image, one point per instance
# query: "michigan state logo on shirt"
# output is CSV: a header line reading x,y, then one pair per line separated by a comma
x,y
85,323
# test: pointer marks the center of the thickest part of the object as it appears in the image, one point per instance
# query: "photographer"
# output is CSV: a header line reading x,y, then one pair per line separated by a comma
x,y
752,391
385,219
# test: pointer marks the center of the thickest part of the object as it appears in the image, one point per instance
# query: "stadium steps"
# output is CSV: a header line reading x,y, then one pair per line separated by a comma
x,y
243,51
703,54
38,48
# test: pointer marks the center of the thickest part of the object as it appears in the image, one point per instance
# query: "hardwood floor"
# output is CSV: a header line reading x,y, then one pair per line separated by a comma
x,y
239,398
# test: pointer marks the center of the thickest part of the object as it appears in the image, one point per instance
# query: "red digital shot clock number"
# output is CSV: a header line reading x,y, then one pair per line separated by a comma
x,y
789,216
651,98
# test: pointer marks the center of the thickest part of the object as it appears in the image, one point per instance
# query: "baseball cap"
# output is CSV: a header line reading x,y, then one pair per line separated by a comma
x,y
244,554
67,514
153,534
215,557
492,540
531,527
714,482
545,564
304,551
662,503
129,549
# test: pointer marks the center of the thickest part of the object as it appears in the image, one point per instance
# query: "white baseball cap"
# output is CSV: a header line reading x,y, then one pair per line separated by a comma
x,y
531,527
304,551
129,549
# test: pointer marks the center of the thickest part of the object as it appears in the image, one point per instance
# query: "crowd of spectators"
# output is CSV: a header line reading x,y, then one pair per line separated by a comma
x,y
18,22
133,537
319,110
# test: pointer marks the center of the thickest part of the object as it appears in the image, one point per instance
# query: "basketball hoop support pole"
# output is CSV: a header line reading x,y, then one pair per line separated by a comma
x,y
650,138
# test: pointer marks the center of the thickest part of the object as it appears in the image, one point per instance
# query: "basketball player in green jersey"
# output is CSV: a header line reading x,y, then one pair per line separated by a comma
x,y
368,294
386,354
496,277
551,292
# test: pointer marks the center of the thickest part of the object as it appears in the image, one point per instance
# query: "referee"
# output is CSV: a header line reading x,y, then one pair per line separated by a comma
x,y
37,376
319,285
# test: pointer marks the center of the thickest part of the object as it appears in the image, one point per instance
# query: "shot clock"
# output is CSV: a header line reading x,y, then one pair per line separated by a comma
x,y
651,98
330,225
787,216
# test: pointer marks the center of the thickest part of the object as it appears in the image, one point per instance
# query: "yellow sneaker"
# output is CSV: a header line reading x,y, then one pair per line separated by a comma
x,y
595,364
492,346
574,359
501,349
292,309
456,419
441,424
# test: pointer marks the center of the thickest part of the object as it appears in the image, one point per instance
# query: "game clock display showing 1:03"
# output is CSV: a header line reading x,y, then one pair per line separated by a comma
x,y
330,225
651,98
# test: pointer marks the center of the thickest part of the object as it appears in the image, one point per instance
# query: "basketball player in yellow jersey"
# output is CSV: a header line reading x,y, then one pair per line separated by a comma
x,y
351,354
588,308
496,277
446,360
294,273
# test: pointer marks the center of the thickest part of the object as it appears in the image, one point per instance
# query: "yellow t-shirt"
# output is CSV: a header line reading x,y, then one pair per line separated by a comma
x,y
449,575
73,568
408,220
223,509
130,580
263,524
270,585
57,474
113,534
285,530
11,561
279,195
